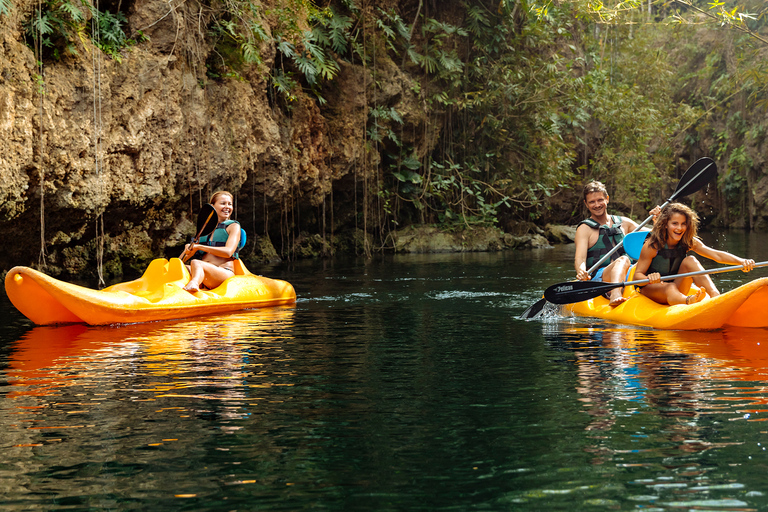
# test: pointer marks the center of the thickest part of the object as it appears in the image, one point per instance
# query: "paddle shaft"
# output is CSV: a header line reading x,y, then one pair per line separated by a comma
x,y
199,234
646,221
568,293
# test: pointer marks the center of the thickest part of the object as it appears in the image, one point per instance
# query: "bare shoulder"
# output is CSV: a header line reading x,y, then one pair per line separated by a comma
x,y
584,230
628,225
698,245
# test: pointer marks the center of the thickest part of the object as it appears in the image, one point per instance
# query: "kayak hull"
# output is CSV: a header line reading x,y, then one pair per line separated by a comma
x,y
744,306
157,295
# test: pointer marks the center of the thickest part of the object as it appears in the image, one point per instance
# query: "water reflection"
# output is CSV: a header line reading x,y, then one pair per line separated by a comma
x,y
105,387
657,401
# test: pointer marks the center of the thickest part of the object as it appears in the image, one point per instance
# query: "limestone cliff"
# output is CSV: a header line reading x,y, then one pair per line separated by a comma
x,y
131,149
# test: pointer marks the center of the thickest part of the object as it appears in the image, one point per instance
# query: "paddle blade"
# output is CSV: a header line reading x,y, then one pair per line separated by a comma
x,y
206,220
633,243
577,291
534,309
701,172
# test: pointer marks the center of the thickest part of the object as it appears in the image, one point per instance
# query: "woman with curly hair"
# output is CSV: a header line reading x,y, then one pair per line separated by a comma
x,y
666,252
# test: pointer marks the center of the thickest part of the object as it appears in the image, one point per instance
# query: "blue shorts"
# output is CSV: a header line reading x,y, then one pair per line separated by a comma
x,y
599,274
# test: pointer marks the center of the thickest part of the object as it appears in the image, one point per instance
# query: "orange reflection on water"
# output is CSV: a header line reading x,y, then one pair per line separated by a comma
x,y
216,352
677,377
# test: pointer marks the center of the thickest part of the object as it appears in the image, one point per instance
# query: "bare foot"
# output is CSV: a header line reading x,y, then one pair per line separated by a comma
x,y
618,300
192,287
699,296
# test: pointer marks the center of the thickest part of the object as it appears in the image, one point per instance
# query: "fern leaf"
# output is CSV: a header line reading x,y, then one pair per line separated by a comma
x,y
5,7
74,12
251,53
319,35
287,49
395,115
307,68
42,25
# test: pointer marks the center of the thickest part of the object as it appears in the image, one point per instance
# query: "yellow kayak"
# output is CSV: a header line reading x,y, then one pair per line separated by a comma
x,y
157,295
744,306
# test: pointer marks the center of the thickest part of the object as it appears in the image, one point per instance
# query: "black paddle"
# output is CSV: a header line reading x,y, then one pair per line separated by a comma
x,y
206,223
577,291
695,178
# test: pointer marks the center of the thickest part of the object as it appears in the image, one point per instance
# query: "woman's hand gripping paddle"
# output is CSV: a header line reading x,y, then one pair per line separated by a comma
x,y
695,178
206,223
577,291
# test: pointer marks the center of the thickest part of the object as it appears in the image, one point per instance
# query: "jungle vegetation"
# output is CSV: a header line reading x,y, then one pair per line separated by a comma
x,y
529,97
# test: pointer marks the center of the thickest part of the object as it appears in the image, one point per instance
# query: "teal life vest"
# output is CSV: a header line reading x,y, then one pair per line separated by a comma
x,y
667,261
608,238
219,237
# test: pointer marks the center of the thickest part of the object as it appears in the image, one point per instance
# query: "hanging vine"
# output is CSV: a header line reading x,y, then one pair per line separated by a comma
x,y
38,45
97,133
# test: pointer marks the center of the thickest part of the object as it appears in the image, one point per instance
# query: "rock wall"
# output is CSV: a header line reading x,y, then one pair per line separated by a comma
x,y
131,149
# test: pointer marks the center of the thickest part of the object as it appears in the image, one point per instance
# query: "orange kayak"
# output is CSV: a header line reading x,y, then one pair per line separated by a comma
x,y
157,295
744,306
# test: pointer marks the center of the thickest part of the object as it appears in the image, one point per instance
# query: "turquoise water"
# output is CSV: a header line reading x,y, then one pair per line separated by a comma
x,y
403,383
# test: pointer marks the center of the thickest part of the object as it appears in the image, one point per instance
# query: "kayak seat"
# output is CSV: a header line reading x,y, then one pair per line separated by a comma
x,y
151,285
240,269
175,271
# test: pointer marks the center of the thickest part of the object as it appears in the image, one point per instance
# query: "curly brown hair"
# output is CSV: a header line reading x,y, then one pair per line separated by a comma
x,y
658,235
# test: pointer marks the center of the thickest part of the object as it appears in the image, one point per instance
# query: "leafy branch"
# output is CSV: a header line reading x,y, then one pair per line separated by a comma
x,y
717,12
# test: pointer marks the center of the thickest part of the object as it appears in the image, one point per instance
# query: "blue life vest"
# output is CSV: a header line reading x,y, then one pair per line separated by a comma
x,y
220,236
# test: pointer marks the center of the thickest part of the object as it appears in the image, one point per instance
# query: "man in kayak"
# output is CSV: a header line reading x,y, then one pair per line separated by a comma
x,y
218,250
597,235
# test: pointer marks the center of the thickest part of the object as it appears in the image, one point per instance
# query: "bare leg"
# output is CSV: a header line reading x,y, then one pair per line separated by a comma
x,y
197,274
691,264
615,273
675,293
663,293
208,274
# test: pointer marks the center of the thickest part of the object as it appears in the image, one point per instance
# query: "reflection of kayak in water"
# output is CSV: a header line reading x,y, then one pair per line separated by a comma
x,y
157,295
745,306
732,353
48,357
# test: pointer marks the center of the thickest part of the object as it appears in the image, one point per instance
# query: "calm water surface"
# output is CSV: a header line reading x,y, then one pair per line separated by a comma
x,y
403,383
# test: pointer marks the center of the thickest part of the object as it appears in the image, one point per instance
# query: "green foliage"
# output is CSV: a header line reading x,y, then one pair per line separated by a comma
x,y
461,197
303,54
111,37
396,35
511,126
59,24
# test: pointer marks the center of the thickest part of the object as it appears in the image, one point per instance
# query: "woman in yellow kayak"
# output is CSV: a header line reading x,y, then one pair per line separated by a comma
x,y
219,248
665,252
